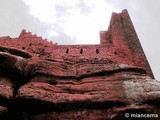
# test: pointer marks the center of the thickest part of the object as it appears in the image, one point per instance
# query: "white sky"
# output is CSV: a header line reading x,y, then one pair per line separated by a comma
x,y
79,21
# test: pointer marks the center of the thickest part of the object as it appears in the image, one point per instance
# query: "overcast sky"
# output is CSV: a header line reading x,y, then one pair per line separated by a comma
x,y
79,21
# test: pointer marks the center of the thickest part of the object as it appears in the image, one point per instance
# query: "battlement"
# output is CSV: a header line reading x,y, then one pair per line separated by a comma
x,y
25,34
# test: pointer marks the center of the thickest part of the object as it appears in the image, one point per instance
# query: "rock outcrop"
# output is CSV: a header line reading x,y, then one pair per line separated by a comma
x,y
40,80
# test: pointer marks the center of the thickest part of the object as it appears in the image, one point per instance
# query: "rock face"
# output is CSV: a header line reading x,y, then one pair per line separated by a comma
x,y
40,80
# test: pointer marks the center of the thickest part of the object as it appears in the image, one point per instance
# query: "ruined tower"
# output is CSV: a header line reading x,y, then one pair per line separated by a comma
x,y
40,80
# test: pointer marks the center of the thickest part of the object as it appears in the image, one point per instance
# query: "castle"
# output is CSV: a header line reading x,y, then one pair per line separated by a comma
x,y
47,81
120,43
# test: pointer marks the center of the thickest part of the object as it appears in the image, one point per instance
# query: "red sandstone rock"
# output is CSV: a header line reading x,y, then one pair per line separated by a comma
x,y
12,63
3,110
6,89
98,90
84,114
40,80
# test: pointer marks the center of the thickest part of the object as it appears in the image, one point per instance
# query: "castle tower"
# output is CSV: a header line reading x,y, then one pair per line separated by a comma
x,y
122,35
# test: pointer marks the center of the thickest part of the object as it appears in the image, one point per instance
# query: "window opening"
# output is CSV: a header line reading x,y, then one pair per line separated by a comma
x,y
67,50
97,51
81,51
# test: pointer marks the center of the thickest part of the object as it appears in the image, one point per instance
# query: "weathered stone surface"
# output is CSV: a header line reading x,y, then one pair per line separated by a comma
x,y
6,89
3,110
12,64
121,89
93,89
90,114
54,68
40,80
15,52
